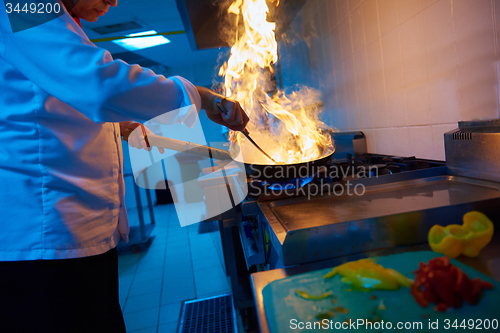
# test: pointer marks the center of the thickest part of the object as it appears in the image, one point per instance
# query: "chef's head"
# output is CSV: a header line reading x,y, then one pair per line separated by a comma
x,y
90,10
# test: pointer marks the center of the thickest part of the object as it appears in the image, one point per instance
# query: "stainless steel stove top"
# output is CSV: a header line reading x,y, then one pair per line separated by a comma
x,y
303,230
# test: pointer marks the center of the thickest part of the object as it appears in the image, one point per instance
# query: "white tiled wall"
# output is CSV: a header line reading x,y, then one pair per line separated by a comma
x,y
402,71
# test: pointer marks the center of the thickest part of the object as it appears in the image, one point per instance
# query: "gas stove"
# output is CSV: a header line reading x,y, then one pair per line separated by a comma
x,y
382,164
337,171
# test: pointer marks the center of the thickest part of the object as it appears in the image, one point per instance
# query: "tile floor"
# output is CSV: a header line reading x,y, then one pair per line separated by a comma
x,y
178,265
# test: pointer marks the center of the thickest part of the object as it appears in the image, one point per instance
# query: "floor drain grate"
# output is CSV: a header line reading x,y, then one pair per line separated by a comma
x,y
209,315
207,227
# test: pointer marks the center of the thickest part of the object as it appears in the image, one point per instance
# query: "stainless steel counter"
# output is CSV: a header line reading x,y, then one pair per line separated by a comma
x,y
395,210
488,262
382,200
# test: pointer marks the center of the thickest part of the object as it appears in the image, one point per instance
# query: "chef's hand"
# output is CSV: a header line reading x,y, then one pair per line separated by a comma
x,y
235,118
136,138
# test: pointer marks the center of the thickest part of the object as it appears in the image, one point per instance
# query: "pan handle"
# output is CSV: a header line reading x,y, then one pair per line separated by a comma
x,y
188,147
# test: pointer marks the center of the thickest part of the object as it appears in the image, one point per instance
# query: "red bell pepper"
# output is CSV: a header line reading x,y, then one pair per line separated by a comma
x,y
446,285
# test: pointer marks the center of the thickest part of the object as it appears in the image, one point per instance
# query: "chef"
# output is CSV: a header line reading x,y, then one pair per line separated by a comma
x,y
63,105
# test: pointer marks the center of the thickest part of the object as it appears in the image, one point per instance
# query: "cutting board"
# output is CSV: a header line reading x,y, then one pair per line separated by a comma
x,y
283,307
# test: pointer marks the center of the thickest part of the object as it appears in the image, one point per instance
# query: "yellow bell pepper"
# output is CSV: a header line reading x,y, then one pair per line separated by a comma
x,y
467,239
309,297
365,275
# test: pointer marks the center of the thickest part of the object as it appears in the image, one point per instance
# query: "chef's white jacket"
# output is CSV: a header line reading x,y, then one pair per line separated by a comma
x,y
61,184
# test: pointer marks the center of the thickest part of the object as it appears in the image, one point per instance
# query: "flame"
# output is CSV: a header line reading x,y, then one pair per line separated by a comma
x,y
284,125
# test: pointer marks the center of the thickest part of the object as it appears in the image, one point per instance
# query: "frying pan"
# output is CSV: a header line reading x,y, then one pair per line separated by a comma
x,y
264,172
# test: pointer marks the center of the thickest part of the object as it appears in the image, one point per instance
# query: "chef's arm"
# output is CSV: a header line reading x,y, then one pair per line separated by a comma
x,y
235,118
60,60
136,138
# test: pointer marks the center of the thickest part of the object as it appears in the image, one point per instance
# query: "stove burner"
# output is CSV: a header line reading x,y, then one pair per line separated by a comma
x,y
339,171
289,185
378,165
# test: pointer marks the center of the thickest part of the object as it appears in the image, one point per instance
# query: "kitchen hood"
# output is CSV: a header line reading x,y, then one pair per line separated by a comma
x,y
203,19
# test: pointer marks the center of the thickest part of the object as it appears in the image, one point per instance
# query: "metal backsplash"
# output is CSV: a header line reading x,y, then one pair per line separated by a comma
x,y
473,149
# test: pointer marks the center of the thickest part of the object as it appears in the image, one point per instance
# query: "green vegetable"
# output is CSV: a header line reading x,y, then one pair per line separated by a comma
x,y
325,315
341,309
305,295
